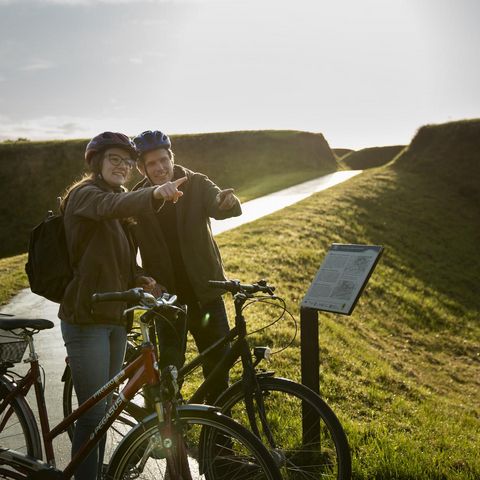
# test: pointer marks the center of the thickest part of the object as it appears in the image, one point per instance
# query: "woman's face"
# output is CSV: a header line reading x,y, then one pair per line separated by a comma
x,y
116,166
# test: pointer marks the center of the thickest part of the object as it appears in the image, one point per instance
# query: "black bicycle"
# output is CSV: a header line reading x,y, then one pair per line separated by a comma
x,y
271,407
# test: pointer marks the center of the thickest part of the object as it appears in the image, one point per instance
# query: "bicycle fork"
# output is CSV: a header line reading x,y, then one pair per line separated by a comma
x,y
254,395
169,442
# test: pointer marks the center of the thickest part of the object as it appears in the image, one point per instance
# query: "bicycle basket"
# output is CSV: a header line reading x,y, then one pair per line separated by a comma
x,y
12,348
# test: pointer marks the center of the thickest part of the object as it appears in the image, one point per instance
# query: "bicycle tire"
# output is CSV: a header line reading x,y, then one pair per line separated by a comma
x,y
217,448
11,475
18,428
329,459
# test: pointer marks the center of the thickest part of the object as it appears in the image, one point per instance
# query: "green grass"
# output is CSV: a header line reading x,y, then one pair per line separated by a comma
x,y
12,276
276,182
402,371
370,157
341,152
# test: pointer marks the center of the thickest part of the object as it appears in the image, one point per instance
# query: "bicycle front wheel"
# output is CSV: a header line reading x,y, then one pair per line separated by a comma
x,y
216,448
318,450
18,429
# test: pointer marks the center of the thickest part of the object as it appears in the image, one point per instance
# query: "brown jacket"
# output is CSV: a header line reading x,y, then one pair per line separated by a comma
x,y
101,251
199,251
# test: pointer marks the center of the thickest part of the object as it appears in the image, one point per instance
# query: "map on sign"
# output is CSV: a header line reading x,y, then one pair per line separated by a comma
x,y
342,277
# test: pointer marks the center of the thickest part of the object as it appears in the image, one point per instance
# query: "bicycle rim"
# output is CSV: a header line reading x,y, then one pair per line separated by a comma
x,y
11,475
18,430
326,458
216,449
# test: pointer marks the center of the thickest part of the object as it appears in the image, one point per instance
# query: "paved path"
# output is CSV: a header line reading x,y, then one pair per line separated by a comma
x,y
255,209
49,344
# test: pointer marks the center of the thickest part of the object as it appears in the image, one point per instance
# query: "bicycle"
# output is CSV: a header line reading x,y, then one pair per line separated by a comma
x,y
263,402
183,442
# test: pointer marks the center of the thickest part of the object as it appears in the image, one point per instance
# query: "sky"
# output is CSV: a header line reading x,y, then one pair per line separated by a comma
x,y
362,72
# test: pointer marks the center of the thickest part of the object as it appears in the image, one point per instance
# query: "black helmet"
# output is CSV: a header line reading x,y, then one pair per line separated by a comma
x,y
149,140
108,140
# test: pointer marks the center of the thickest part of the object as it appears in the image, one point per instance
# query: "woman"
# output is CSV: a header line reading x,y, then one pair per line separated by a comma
x,y
103,259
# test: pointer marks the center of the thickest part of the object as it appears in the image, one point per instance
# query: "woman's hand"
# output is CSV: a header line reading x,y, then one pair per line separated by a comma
x,y
169,190
147,283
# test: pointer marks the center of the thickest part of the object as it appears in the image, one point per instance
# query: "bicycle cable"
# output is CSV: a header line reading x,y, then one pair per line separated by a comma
x,y
268,300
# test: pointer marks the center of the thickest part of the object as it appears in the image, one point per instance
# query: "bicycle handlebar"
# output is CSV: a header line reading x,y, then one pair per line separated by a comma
x,y
137,296
234,286
129,296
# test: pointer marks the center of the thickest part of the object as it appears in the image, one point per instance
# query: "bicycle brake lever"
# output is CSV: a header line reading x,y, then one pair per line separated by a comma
x,y
132,309
171,300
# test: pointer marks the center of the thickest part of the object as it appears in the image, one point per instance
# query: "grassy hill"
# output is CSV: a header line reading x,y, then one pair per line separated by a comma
x,y
450,152
254,163
341,152
402,372
370,157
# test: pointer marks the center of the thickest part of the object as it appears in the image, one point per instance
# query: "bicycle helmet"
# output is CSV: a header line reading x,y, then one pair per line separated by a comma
x,y
149,140
107,140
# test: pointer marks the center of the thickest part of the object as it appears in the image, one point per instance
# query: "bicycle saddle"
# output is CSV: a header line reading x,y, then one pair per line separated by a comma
x,y
10,323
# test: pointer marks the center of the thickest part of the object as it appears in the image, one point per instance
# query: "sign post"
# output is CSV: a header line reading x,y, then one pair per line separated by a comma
x,y
337,286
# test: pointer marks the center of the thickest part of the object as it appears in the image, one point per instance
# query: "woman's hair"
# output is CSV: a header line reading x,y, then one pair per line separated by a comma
x,y
95,167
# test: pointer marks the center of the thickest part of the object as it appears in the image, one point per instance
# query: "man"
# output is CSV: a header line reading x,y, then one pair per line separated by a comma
x,y
178,249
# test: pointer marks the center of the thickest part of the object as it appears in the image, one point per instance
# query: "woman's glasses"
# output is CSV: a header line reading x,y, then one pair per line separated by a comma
x,y
117,160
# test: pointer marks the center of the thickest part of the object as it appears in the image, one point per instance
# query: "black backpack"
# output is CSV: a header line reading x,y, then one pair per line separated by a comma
x,y
48,266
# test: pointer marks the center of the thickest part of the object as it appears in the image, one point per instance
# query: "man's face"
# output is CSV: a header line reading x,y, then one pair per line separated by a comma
x,y
157,166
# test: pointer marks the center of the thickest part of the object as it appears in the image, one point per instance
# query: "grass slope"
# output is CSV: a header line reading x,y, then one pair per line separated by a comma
x,y
402,372
371,157
12,276
450,152
341,152
254,163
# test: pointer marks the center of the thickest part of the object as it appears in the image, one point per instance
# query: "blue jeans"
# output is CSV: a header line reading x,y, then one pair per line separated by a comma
x,y
95,354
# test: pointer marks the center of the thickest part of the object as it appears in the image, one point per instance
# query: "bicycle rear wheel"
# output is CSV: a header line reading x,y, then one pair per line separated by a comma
x,y
11,475
326,458
216,446
18,429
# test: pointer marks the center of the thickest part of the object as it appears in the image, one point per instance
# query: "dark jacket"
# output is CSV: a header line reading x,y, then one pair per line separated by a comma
x,y
200,253
101,253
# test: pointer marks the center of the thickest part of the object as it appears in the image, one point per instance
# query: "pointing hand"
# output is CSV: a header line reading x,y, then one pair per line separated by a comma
x,y
169,190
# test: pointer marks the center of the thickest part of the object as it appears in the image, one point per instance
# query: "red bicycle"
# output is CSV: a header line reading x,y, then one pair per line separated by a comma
x,y
184,442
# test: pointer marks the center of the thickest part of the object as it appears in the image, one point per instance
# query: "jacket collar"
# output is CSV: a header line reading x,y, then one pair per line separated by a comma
x,y
101,183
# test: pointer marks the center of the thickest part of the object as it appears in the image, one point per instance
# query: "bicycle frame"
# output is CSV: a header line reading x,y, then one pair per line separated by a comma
x,y
239,349
141,371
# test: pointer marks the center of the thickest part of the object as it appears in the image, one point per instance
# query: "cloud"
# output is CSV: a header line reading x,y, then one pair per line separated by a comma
x,y
51,127
81,2
74,3
36,65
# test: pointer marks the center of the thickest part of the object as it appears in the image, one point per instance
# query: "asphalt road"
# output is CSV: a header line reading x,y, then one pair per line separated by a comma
x,y
49,343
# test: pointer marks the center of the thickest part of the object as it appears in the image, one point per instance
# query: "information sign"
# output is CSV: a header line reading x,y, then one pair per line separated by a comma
x,y
342,278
